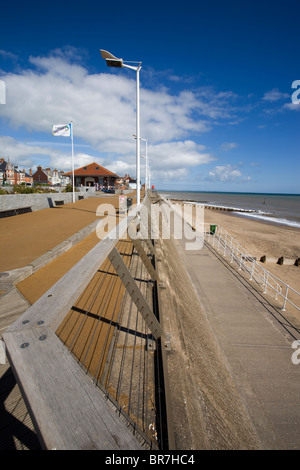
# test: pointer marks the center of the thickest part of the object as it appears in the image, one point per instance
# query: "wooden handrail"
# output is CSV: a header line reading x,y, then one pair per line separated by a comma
x,y
65,405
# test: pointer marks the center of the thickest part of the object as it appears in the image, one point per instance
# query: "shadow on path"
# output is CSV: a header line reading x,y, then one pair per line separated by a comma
x,y
14,432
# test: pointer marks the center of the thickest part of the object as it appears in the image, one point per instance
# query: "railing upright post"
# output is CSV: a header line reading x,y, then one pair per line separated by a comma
x,y
240,267
231,249
252,269
225,245
285,299
266,282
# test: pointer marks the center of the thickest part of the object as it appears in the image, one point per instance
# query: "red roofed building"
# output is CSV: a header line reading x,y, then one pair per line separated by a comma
x,y
39,177
93,175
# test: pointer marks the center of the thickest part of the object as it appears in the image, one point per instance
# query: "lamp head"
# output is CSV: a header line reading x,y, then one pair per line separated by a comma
x,y
111,60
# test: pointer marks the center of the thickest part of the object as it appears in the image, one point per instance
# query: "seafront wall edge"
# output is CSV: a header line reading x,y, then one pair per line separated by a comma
x,y
38,201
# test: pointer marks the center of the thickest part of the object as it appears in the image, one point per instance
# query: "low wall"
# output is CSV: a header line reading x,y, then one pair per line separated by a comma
x,y
38,201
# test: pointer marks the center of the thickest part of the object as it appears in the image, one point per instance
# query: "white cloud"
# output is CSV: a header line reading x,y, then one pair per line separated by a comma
x,y
174,155
175,160
19,153
292,106
275,95
122,168
8,55
174,176
227,146
167,161
227,174
168,117
100,106
29,156
57,89
64,161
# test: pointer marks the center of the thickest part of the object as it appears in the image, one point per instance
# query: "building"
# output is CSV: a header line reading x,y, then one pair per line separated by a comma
x,y
63,180
93,175
7,172
10,174
52,175
39,177
28,176
131,183
19,176
56,178
126,182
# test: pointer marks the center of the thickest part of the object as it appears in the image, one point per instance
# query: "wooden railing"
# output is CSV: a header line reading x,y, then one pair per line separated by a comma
x,y
70,407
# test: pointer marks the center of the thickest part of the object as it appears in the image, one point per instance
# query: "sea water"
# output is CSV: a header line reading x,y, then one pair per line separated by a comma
x,y
281,209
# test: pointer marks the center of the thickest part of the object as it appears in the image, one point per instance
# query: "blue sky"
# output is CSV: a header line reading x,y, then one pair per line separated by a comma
x,y
215,97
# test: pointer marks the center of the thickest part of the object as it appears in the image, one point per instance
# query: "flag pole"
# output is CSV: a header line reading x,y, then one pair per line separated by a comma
x,y
73,178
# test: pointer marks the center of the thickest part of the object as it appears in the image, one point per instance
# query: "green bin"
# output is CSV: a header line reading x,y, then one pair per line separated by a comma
x,y
213,229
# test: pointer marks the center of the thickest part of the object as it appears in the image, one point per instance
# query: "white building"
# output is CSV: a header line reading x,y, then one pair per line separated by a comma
x,y
56,177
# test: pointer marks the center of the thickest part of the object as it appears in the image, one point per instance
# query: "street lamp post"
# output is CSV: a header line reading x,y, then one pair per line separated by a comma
x,y
146,175
146,157
113,61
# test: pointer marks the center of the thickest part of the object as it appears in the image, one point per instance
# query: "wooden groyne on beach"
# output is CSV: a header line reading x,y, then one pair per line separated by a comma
x,y
211,207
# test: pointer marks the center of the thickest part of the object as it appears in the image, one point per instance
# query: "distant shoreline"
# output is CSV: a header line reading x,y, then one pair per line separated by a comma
x,y
242,213
227,192
274,209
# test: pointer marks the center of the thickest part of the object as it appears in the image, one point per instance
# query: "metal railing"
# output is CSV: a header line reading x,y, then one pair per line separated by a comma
x,y
228,246
106,333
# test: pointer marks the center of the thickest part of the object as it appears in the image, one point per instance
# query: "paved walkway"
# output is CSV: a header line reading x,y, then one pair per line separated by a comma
x,y
26,237
38,248
256,342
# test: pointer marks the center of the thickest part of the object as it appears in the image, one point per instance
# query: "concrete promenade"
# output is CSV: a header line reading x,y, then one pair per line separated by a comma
x,y
38,248
255,341
26,237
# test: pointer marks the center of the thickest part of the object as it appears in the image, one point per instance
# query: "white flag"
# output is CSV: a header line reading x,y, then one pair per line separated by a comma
x,y
62,129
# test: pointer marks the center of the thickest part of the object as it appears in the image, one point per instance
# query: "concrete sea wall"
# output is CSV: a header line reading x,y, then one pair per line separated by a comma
x,y
38,201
